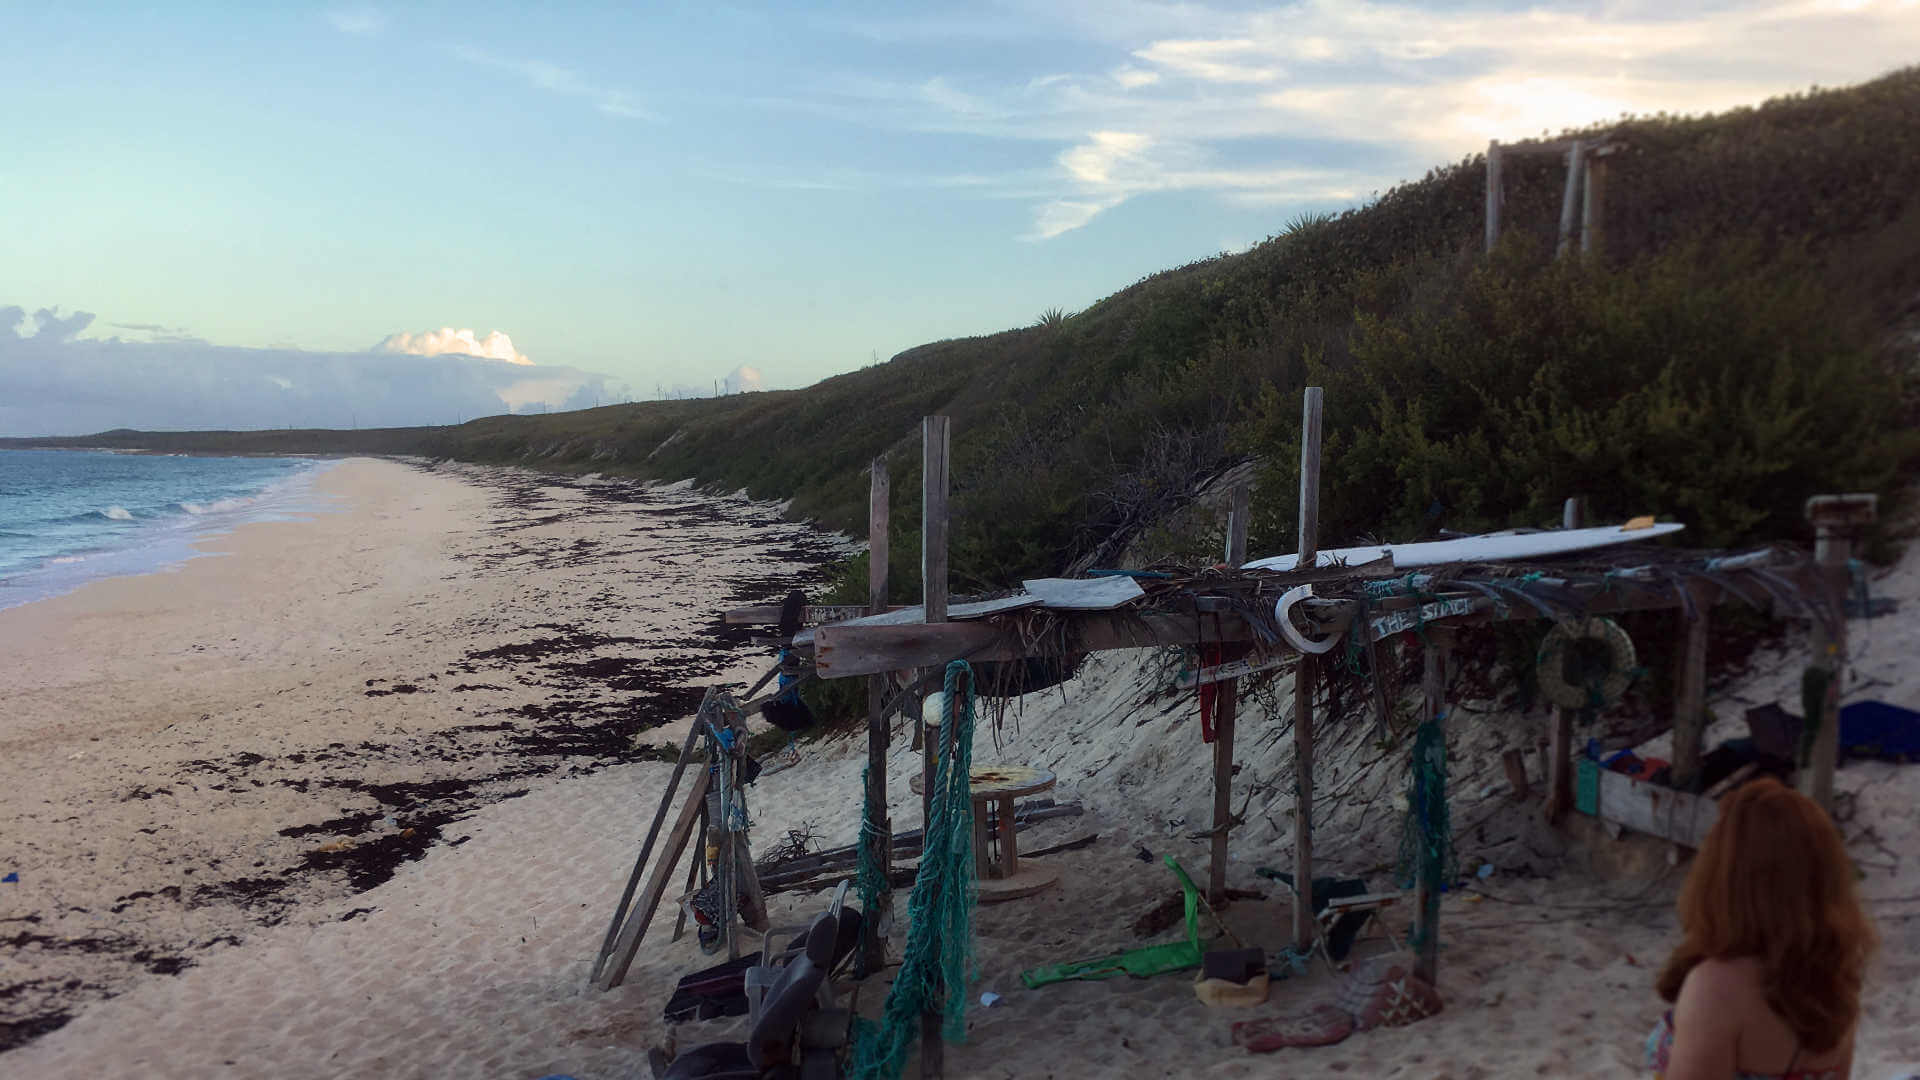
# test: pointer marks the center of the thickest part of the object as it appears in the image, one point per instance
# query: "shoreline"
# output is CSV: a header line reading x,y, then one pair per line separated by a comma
x,y
194,755
164,545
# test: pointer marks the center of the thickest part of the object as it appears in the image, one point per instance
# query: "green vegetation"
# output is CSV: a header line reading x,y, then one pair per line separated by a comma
x,y
1726,356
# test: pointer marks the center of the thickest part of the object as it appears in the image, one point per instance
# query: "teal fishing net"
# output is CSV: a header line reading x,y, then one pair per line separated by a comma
x,y
938,960
1426,837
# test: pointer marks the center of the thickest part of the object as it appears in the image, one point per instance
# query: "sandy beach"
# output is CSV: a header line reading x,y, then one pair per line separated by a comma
x,y
342,803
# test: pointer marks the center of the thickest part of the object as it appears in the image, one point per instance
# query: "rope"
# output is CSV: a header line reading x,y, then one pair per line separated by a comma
x,y
938,961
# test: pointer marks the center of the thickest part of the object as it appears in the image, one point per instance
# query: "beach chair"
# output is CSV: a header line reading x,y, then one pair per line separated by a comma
x,y
794,1028
1342,910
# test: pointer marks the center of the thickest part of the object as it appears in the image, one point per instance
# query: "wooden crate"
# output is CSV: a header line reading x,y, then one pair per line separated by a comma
x,y
1679,816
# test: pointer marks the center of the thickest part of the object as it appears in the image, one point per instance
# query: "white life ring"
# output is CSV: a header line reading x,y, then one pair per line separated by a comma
x,y
1295,638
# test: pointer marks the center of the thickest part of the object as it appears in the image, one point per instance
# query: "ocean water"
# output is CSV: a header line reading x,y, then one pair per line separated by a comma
x,y
68,517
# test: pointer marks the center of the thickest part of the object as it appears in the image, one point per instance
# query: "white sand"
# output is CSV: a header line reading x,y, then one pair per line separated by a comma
x,y
472,961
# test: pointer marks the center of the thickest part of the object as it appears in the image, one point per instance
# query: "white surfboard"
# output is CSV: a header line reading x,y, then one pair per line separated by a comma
x,y
1492,547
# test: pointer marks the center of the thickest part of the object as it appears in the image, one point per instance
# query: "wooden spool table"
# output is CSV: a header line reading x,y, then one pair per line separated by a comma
x,y
1001,877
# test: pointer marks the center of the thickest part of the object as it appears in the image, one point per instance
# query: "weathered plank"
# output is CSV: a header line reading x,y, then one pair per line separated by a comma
x,y
1516,766
1433,683
1679,816
1233,669
1559,766
879,840
646,848
812,614
1690,693
1495,196
1308,548
936,437
614,970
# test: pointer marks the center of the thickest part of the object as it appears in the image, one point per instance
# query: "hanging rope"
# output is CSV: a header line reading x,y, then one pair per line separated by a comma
x,y
937,962
1426,834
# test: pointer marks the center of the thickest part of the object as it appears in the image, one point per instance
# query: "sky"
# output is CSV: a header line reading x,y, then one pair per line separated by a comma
x,y
633,201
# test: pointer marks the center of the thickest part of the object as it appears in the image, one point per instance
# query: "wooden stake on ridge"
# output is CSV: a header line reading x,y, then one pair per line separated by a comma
x,y
1304,925
1690,693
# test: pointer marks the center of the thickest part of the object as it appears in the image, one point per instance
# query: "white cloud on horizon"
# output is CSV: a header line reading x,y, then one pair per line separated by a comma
x,y
54,382
447,341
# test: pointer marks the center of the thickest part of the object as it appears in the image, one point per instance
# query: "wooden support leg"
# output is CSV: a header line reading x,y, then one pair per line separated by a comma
x,y
646,849
1305,927
1009,855
1224,708
1690,695
1560,766
635,928
696,872
983,867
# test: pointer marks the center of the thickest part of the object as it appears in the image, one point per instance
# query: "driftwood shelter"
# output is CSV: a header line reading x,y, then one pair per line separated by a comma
x,y
1251,620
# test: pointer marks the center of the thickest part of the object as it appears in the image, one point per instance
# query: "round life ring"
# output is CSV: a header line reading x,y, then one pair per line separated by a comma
x,y
1596,689
1295,638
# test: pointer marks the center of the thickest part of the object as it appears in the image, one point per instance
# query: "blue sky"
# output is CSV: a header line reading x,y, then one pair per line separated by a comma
x,y
664,193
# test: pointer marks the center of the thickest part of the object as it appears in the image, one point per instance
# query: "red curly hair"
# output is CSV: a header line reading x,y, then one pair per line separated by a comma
x,y
1774,882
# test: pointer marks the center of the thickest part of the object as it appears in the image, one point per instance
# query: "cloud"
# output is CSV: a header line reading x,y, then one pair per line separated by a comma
x,y
55,383
555,79
362,21
448,341
743,380
1326,100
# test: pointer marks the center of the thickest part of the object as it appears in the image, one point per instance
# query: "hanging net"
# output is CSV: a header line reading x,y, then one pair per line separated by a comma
x,y
1426,837
937,962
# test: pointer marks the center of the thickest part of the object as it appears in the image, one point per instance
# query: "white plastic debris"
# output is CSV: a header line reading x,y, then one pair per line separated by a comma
x,y
989,999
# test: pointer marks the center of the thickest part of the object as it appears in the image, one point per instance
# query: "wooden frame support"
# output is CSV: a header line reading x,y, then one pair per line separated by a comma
x,y
1690,690
1304,925
613,969
879,837
1559,766
646,848
1226,704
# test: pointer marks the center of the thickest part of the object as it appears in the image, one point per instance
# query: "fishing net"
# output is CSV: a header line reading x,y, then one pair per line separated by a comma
x,y
938,960
1426,837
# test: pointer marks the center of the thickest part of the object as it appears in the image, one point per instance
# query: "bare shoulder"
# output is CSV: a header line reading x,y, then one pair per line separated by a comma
x,y
1722,993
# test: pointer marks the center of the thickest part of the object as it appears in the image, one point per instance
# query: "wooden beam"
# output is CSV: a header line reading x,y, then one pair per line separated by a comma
x,y
1515,761
1304,925
1433,682
1569,207
878,839
1495,195
936,436
811,615
845,650
1226,702
614,972
646,848
1573,513
1559,765
1690,690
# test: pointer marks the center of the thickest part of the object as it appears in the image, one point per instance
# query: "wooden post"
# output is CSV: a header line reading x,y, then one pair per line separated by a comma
x,y
1427,884
1515,761
1495,196
1837,520
936,440
1690,689
1573,513
1303,678
646,849
614,968
1226,703
1593,206
1576,160
879,837
1559,763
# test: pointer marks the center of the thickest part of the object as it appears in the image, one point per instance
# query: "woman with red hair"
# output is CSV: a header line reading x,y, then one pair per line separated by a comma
x,y
1766,982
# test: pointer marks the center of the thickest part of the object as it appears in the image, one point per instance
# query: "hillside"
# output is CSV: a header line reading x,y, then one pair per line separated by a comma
x,y
1743,340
